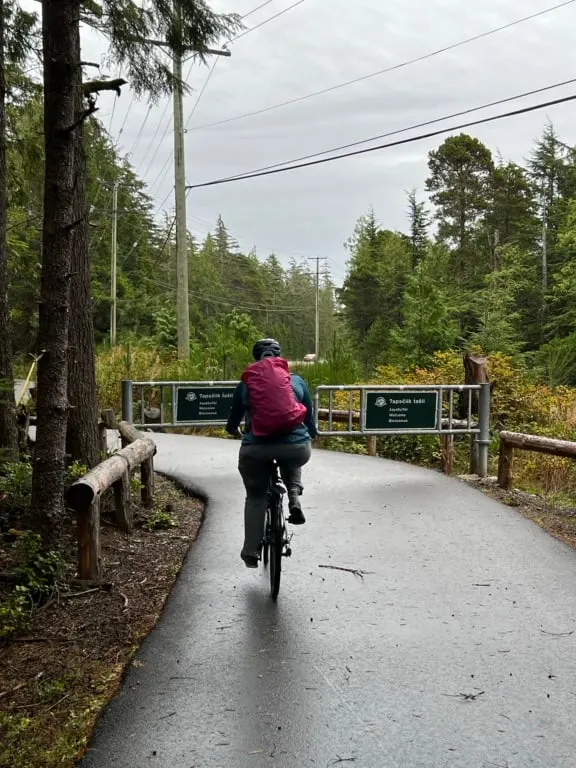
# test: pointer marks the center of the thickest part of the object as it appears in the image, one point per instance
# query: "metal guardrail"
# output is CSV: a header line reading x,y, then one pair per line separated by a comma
x,y
177,403
405,409
370,410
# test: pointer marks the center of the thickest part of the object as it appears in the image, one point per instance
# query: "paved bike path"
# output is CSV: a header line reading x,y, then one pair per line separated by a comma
x,y
463,597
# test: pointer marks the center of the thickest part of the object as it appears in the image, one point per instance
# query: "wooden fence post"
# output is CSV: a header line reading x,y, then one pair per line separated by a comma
x,y
505,465
88,527
122,503
102,439
447,453
475,372
147,481
372,445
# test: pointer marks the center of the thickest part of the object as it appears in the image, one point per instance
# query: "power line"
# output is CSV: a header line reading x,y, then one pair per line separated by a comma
x,y
409,140
224,302
414,127
254,10
258,8
378,72
140,130
112,115
266,21
165,168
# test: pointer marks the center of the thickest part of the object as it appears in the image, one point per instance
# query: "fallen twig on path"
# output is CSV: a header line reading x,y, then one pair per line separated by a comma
x,y
355,571
465,696
557,634
342,760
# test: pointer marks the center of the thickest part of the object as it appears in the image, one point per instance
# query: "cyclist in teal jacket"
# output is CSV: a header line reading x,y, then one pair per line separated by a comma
x,y
291,452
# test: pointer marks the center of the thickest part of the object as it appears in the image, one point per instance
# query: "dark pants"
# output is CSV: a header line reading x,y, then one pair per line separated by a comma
x,y
254,464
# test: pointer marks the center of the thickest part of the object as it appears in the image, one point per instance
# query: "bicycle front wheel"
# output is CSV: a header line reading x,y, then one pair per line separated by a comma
x,y
275,552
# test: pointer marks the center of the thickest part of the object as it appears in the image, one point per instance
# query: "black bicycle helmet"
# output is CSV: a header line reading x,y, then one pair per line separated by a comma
x,y
266,348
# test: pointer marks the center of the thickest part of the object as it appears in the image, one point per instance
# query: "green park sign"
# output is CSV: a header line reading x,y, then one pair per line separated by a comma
x,y
200,405
400,411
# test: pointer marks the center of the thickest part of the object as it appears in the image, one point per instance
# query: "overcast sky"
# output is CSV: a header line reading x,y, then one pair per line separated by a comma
x,y
319,44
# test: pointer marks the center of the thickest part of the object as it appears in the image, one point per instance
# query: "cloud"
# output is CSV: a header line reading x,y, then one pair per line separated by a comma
x,y
317,45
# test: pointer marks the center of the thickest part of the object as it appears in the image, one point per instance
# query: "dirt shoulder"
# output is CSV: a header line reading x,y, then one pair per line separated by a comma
x,y
57,675
558,520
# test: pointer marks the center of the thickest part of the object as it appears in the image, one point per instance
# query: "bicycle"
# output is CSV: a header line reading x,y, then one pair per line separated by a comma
x,y
276,542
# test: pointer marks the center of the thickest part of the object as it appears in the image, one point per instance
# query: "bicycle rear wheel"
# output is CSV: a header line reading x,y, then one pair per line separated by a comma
x,y
275,550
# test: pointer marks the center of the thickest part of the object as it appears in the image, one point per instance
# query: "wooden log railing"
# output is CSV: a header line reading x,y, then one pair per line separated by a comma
x,y
510,441
113,473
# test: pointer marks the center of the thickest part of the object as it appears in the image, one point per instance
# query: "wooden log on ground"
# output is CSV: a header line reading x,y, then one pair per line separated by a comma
x,y
563,448
505,465
122,503
83,492
88,534
147,481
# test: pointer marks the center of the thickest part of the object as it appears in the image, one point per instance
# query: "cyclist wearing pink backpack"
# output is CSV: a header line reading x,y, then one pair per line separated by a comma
x,y
279,425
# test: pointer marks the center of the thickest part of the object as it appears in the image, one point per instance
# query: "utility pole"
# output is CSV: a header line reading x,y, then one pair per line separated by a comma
x,y
182,300
317,259
182,297
182,308
114,266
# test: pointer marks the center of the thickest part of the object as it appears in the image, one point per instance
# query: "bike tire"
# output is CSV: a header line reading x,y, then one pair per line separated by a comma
x,y
265,545
275,552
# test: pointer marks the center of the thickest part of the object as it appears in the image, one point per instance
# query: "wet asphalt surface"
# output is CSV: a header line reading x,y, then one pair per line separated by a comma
x,y
455,649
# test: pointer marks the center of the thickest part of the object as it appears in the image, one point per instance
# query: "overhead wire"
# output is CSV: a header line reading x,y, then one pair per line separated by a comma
x,y
112,114
165,168
140,130
416,126
385,70
266,21
258,8
400,142
224,302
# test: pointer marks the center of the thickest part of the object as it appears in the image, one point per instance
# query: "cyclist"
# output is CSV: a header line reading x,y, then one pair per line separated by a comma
x,y
279,425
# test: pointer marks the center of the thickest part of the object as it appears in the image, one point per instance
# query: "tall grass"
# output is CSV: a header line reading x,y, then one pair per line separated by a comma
x,y
142,364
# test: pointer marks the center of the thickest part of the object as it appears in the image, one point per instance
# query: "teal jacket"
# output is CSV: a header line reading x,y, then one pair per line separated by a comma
x,y
241,407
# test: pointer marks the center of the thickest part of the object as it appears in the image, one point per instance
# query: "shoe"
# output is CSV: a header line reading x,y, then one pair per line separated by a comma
x,y
250,561
296,514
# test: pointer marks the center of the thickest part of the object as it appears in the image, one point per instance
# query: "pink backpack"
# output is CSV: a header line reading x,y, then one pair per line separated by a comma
x,y
273,405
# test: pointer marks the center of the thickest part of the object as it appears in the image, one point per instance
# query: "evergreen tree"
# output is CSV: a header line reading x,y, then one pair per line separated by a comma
x,y
419,219
460,180
15,30
428,323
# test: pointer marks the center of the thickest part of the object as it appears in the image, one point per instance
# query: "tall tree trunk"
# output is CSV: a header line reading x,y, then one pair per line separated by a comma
x,y
62,79
82,439
8,426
